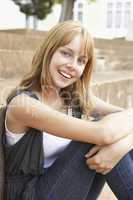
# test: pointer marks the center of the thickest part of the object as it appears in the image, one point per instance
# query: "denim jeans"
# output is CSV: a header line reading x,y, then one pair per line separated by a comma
x,y
120,179
69,178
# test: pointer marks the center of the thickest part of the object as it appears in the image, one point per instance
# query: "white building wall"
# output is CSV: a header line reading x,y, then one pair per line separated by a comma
x,y
92,18
106,18
97,19
129,35
121,13
80,11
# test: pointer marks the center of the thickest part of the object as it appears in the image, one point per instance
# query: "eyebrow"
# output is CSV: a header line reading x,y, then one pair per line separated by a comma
x,y
68,48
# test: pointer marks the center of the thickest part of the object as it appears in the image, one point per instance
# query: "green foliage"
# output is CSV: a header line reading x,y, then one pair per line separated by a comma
x,y
38,8
58,1
61,1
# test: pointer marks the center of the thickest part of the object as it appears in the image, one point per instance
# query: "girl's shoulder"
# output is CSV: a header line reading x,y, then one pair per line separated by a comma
x,y
15,103
17,92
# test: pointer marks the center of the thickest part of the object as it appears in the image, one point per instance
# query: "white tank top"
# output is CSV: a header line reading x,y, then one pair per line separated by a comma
x,y
53,145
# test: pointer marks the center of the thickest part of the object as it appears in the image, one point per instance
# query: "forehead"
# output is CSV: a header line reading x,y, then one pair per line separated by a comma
x,y
77,44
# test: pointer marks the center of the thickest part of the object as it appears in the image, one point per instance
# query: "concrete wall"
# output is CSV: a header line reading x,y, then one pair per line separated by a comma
x,y
115,54
16,51
14,63
119,92
14,41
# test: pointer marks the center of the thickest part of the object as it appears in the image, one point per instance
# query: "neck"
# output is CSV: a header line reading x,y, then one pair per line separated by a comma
x,y
51,97
50,93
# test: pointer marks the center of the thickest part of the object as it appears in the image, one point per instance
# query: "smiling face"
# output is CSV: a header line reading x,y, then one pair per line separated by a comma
x,y
68,63
60,62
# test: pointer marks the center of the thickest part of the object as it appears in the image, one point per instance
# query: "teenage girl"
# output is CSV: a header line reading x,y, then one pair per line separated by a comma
x,y
56,149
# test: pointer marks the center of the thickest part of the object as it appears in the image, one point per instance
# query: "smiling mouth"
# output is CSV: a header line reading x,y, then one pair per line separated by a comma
x,y
65,75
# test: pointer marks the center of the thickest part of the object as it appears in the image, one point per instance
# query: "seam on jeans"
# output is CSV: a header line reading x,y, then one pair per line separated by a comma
x,y
127,189
64,171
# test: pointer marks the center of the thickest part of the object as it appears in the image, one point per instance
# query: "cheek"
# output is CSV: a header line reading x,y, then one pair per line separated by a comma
x,y
80,71
57,60
53,64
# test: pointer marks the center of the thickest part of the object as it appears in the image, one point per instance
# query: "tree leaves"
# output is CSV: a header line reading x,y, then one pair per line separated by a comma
x,y
38,8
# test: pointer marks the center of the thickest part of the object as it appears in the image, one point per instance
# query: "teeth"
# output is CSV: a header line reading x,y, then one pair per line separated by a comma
x,y
65,75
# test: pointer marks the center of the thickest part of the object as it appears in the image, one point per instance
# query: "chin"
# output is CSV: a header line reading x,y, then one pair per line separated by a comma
x,y
61,85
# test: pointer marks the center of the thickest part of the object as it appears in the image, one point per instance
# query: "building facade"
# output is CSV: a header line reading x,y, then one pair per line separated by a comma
x,y
106,18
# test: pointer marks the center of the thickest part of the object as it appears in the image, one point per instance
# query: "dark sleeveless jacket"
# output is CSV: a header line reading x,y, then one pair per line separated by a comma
x,y
2,153
24,162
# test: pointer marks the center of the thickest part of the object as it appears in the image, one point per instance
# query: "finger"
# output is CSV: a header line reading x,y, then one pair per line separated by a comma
x,y
95,160
100,170
93,167
93,151
106,171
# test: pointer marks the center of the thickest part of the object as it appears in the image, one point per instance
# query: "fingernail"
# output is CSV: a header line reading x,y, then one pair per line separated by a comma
x,y
86,155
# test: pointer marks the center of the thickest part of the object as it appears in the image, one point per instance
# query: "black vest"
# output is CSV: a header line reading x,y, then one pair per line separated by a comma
x,y
25,161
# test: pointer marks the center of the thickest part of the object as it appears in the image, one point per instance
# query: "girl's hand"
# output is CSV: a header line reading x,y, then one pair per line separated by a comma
x,y
104,158
119,124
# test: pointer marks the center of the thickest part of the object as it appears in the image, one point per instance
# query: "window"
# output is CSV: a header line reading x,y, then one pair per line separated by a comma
x,y
127,17
128,5
80,5
118,16
109,14
80,16
118,19
127,13
109,19
110,6
118,5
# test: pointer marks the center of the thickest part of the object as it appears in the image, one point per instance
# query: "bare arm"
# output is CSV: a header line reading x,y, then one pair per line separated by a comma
x,y
29,112
102,108
32,113
104,158
110,114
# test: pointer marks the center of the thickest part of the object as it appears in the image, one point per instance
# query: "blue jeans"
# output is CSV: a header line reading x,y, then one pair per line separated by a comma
x,y
69,178
120,179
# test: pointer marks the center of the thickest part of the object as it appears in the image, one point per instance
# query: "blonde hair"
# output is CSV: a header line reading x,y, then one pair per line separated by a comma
x,y
39,76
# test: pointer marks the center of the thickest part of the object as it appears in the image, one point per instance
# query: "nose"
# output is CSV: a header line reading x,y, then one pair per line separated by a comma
x,y
73,64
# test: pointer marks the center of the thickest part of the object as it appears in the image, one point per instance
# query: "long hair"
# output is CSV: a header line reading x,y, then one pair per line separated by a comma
x,y
39,76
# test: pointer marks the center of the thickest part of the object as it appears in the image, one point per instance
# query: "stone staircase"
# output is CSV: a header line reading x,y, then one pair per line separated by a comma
x,y
16,52
18,45
114,54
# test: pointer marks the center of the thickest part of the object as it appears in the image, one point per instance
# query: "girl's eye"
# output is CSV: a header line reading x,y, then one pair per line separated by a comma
x,y
66,54
81,61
